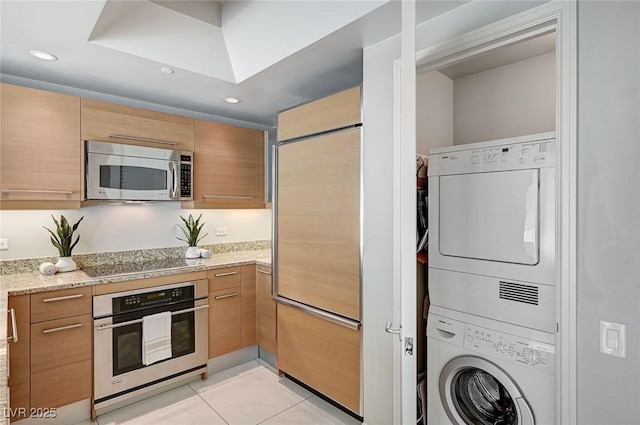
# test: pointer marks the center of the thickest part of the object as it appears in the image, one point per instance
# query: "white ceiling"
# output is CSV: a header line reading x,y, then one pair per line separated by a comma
x,y
270,54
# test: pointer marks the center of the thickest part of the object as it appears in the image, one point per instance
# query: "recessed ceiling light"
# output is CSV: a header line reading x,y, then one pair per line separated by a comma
x,y
166,70
43,55
232,100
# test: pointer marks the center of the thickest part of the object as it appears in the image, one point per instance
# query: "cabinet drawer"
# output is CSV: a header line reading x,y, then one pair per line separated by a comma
x,y
329,113
225,322
322,354
61,361
58,304
229,277
109,122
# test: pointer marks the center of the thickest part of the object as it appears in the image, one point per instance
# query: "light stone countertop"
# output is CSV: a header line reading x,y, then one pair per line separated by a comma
x,y
33,282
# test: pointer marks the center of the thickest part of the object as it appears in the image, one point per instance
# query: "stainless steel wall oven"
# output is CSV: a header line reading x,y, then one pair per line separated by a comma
x,y
119,372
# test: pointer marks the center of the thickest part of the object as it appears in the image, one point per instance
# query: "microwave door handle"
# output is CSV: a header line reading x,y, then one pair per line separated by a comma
x,y
174,180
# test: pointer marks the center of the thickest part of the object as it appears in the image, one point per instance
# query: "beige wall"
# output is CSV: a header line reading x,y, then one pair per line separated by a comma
x,y
512,100
434,109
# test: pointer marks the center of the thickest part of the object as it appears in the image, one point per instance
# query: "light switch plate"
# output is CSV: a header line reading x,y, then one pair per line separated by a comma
x,y
4,244
613,339
221,231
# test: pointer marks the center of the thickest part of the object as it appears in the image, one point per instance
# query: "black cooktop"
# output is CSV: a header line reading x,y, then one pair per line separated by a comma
x,y
101,270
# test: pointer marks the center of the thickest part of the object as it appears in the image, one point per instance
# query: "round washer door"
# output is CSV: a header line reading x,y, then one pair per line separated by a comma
x,y
475,391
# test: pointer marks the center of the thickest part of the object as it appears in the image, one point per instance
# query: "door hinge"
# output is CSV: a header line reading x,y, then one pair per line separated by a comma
x,y
408,346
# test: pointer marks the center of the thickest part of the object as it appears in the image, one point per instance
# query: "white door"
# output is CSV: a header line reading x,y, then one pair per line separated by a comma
x,y
404,218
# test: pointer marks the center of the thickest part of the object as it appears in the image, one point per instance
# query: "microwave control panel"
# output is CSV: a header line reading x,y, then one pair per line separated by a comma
x,y
186,177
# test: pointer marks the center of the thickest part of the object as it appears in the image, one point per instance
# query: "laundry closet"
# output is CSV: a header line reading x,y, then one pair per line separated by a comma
x,y
505,96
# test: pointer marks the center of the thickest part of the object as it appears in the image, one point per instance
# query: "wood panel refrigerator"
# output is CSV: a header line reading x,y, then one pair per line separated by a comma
x,y
317,247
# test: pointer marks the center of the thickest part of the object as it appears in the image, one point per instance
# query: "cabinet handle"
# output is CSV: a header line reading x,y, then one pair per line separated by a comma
x,y
14,327
334,318
68,297
57,192
264,272
61,328
227,197
142,139
225,274
221,297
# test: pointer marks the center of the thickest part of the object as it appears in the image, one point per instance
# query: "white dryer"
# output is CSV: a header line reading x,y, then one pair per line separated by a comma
x,y
492,229
483,371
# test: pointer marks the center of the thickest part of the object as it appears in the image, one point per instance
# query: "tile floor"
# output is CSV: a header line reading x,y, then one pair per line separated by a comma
x,y
248,394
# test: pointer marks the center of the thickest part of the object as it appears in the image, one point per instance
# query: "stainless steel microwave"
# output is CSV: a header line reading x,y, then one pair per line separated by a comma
x,y
115,171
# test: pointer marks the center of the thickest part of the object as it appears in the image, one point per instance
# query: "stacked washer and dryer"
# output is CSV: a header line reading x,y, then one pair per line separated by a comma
x,y
492,274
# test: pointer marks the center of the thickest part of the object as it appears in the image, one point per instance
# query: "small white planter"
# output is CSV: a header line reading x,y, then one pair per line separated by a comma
x,y
192,252
66,264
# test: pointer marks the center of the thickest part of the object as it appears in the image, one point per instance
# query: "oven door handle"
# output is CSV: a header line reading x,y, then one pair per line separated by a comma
x,y
131,322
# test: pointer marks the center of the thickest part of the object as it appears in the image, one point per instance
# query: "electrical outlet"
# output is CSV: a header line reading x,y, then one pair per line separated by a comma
x,y
221,231
4,244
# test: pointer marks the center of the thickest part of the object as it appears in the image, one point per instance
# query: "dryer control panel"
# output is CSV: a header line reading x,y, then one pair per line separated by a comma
x,y
500,155
521,351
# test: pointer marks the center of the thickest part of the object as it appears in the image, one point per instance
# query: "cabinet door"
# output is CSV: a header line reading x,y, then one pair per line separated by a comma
x,y
19,369
322,354
40,149
248,292
329,113
225,321
61,361
266,307
229,166
318,222
109,122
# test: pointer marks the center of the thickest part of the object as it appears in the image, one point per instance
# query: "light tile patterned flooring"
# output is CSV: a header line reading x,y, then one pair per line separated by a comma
x,y
248,394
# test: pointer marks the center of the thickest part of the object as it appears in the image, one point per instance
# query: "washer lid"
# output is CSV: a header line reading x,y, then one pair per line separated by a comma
x,y
475,391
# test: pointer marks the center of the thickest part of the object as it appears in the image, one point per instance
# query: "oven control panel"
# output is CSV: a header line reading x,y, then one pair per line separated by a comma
x,y
536,355
493,156
153,299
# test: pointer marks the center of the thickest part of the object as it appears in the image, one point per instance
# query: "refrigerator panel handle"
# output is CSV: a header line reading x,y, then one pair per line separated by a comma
x,y
334,318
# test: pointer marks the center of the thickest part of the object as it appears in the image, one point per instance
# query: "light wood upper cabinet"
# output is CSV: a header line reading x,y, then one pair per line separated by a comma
x,y
329,113
40,155
19,355
266,310
229,167
109,122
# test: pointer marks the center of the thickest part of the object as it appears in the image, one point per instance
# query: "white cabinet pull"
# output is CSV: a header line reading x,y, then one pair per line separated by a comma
x,y
142,139
14,327
221,297
68,297
225,274
61,328
264,272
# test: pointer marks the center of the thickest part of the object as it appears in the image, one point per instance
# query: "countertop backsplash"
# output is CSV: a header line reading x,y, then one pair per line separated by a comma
x,y
27,265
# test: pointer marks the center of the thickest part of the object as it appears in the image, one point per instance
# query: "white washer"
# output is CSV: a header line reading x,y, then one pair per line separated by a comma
x,y
483,371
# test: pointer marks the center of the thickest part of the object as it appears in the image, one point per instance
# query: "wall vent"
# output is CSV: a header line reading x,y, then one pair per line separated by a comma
x,y
520,293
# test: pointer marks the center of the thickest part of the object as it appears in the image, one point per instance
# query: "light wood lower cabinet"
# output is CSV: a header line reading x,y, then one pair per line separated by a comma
x,y
19,364
248,296
320,353
266,310
225,323
61,361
